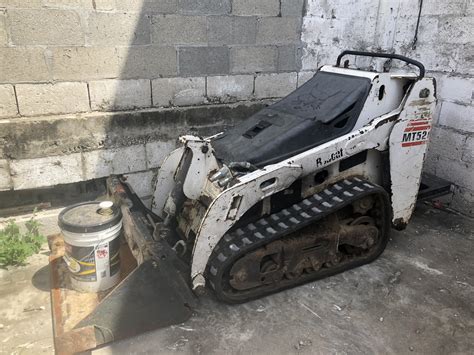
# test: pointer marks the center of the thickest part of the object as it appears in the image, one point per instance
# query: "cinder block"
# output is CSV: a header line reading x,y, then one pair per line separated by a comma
x,y
348,9
30,4
100,163
68,4
446,143
292,7
278,30
457,116
147,61
309,57
468,151
47,171
35,27
3,28
427,32
118,29
288,58
384,32
447,7
230,88
256,8
42,99
304,76
204,7
104,5
175,30
141,182
228,30
203,60
463,200
5,179
456,30
85,63
315,31
315,54
7,101
456,89
464,59
253,59
326,36
23,64
157,151
178,91
161,6
429,55
430,163
106,95
456,171
274,85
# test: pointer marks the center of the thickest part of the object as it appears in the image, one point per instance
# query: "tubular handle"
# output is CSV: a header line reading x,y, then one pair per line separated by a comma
x,y
384,55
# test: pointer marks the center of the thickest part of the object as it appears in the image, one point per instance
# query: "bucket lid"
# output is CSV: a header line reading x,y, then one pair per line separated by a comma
x,y
86,217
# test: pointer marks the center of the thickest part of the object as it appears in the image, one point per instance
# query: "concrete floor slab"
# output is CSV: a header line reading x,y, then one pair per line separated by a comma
x,y
416,298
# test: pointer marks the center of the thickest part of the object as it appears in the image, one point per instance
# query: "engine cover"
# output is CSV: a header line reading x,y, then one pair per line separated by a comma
x,y
324,108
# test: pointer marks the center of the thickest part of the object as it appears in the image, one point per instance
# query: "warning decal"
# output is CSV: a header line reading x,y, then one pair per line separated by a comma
x,y
416,133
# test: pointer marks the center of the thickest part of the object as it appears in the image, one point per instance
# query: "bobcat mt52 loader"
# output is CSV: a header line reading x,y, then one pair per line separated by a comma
x,y
308,187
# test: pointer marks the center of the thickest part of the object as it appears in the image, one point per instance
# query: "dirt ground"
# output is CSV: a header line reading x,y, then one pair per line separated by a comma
x,y
418,297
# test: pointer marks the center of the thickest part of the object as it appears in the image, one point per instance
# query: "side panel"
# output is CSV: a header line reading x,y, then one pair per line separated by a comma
x,y
165,180
229,206
202,164
408,145
385,95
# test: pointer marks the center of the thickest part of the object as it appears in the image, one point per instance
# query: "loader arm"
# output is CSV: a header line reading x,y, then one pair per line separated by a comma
x,y
408,146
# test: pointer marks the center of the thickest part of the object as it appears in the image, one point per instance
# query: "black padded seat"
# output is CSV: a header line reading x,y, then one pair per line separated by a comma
x,y
325,107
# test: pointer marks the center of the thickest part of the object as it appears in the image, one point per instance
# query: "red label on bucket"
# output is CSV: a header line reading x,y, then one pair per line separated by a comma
x,y
101,253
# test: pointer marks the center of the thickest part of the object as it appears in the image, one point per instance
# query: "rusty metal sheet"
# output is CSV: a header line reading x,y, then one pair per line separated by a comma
x,y
153,292
75,341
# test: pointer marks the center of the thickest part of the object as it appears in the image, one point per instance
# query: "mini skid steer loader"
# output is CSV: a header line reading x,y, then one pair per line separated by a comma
x,y
308,187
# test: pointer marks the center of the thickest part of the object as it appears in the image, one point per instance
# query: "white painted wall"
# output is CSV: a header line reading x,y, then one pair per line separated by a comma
x,y
445,46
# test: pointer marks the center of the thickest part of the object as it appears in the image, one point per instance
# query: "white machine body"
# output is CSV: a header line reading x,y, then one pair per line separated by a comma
x,y
395,119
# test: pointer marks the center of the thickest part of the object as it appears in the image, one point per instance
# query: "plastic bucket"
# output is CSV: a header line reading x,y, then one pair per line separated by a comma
x,y
92,245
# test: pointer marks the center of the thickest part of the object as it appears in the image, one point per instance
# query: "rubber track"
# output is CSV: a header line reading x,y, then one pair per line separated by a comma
x,y
270,228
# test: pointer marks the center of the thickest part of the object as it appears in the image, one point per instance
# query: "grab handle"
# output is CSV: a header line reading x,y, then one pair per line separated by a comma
x,y
416,63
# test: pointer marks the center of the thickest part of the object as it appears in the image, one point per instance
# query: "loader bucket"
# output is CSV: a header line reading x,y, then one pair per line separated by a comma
x,y
153,291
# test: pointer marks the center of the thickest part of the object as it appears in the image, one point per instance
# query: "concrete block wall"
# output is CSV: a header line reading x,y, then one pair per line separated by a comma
x,y
445,46
46,151
70,69
77,66
62,57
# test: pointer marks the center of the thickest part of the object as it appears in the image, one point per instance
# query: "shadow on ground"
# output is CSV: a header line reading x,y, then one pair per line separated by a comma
x,y
40,279
417,297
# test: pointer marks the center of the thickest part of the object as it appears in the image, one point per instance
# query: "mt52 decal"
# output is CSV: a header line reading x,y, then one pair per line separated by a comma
x,y
416,133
